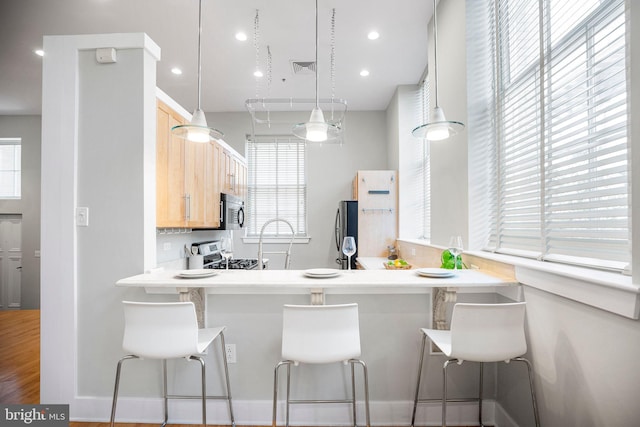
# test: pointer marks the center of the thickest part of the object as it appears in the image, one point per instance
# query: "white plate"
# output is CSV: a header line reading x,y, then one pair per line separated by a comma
x,y
436,272
322,272
197,273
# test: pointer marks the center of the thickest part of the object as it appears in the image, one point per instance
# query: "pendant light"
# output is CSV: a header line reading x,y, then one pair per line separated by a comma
x,y
438,127
316,129
197,130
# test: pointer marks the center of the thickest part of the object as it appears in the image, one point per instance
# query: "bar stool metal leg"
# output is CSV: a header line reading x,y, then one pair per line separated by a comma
x,y
415,400
165,398
275,391
204,388
353,394
444,390
117,386
533,392
226,376
480,394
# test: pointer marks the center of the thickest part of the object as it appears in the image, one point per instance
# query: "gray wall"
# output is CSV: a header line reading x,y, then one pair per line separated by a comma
x,y
28,128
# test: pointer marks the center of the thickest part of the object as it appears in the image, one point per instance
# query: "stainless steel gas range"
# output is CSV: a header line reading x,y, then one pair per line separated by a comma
x,y
212,258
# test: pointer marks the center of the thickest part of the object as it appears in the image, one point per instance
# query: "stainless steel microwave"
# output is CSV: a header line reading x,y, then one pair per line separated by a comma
x,y
231,212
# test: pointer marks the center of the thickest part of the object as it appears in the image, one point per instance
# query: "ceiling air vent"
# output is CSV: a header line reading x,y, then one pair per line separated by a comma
x,y
302,67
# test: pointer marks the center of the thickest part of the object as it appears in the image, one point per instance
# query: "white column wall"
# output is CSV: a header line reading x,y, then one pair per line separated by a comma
x,y
98,151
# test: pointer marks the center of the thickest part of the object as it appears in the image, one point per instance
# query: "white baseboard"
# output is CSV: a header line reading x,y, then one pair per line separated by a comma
x,y
502,418
258,412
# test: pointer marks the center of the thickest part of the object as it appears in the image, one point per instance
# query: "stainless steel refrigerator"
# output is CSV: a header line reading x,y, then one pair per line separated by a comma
x,y
346,224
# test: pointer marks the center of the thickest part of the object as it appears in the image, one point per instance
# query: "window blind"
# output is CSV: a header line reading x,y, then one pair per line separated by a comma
x,y
10,168
276,185
561,125
420,171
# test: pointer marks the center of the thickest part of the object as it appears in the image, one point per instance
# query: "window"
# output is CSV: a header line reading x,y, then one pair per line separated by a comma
x,y
276,185
10,168
421,173
561,161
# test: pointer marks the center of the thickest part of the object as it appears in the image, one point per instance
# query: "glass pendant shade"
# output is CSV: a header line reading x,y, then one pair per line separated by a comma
x,y
197,130
316,129
438,128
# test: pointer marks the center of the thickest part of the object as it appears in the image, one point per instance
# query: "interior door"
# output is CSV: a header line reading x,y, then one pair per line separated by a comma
x,y
10,261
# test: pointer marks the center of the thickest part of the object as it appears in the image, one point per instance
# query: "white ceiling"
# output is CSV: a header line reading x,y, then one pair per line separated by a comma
x,y
398,57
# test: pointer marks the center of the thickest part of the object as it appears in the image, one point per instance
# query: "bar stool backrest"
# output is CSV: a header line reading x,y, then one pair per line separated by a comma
x,y
160,330
488,332
320,333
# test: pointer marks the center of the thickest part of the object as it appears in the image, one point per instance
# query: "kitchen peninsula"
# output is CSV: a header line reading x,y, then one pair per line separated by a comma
x,y
354,282
295,281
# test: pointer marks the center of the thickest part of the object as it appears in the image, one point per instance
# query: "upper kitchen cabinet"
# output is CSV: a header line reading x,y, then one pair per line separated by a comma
x,y
235,175
195,176
170,175
190,176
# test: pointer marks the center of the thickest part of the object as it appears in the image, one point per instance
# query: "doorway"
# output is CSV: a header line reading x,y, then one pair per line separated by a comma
x,y
10,261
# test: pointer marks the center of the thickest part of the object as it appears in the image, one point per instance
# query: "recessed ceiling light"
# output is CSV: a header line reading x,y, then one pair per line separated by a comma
x,y
258,73
364,73
240,36
373,35
177,71
39,52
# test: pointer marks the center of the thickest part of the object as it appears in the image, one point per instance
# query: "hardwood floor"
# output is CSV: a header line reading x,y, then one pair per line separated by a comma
x,y
20,356
20,364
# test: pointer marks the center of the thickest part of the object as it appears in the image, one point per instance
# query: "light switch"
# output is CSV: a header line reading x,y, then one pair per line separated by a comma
x,y
82,217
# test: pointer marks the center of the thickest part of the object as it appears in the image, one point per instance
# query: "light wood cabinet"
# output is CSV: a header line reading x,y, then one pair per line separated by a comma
x,y
235,175
213,184
195,183
170,176
190,176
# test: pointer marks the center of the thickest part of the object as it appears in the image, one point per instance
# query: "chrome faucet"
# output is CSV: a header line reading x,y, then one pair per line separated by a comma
x,y
287,253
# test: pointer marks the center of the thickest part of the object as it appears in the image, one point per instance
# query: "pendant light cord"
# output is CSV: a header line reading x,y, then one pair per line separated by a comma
x,y
435,49
199,49
317,43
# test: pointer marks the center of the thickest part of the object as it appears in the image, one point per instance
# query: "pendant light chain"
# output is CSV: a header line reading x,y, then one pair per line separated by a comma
x,y
435,51
268,70
317,75
333,58
256,45
199,50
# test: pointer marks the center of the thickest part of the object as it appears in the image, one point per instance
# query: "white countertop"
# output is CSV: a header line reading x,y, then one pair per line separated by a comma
x,y
294,281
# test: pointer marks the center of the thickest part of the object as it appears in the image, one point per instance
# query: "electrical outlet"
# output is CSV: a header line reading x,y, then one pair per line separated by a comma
x,y
230,349
413,251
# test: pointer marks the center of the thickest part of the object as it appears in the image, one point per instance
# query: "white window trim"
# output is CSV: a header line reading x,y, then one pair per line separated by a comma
x,y
608,291
13,141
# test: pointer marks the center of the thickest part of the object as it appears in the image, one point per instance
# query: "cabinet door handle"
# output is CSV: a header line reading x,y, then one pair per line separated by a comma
x,y
187,206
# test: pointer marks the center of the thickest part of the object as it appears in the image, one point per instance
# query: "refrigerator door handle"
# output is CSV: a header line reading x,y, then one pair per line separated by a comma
x,y
337,230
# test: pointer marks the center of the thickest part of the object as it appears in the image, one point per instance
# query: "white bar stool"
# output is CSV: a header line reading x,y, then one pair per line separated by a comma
x,y
318,334
479,333
169,331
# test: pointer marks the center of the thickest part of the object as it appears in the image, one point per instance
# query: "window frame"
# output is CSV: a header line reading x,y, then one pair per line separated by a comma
x,y
17,168
276,231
